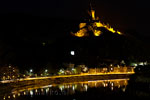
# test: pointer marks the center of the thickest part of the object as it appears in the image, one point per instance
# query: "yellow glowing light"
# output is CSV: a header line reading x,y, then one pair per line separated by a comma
x,y
9,97
18,94
112,88
109,28
42,90
97,32
81,33
24,93
31,92
93,14
81,25
14,96
119,33
98,24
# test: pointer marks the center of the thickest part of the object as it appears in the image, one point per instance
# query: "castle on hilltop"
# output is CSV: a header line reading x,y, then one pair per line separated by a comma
x,y
93,25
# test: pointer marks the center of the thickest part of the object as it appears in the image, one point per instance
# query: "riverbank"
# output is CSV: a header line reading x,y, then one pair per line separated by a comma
x,y
7,87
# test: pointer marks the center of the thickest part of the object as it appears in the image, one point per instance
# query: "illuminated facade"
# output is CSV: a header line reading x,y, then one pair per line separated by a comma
x,y
93,25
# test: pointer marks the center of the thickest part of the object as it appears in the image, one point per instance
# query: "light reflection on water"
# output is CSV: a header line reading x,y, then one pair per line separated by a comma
x,y
67,88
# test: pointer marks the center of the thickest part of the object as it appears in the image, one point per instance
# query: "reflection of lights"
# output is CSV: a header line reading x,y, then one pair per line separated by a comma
x,y
125,82
112,88
104,85
24,93
4,98
139,68
8,97
36,90
31,93
42,90
123,89
18,94
112,84
119,86
95,84
61,87
73,87
86,87
47,89
14,96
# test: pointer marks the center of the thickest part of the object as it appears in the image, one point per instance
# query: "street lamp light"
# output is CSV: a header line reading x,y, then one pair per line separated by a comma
x,y
31,70
46,70
72,53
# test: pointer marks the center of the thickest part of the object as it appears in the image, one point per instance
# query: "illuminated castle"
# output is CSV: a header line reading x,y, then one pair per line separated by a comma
x,y
93,25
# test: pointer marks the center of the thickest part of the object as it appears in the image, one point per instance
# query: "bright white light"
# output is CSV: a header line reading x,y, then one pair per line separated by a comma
x,y
72,53
118,66
111,69
85,69
145,63
46,70
86,87
31,93
31,70
135,65
73,69
73,88
141,63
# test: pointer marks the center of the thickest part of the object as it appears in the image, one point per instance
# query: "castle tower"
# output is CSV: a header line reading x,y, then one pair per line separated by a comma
x,y
92,12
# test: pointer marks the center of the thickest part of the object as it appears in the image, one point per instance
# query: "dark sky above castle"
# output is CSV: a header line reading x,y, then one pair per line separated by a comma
x,y
123,14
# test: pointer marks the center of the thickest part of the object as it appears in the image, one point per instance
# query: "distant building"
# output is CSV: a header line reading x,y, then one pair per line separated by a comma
x,y
9,72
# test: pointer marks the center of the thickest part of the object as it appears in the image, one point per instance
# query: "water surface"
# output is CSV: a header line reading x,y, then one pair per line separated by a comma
x,y
71,91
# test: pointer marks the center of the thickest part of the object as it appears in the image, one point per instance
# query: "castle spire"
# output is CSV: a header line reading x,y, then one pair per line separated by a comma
x,y
92,11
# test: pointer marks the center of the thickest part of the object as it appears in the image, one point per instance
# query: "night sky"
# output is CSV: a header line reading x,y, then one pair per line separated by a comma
x,y
123,15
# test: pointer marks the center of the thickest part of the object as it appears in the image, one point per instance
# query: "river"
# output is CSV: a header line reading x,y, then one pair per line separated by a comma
x,y
71,91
